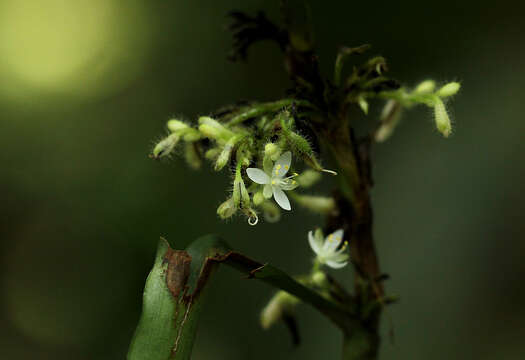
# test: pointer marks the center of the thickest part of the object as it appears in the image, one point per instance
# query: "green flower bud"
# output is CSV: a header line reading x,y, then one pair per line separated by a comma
x,y
258,198
272,151
241,198
308,178
212,153
302,146
224,156
176,126
272,213
449,89
245,197
390,117
186,132
192,155
319,204
214,130
191,134
165,146
442,119
227,209
363,104
425,87
278,306
319,278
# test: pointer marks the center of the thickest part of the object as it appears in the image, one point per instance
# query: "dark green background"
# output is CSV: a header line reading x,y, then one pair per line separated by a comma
x,y
82,207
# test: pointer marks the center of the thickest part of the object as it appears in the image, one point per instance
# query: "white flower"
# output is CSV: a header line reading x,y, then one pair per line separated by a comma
x,y
274,181
327,249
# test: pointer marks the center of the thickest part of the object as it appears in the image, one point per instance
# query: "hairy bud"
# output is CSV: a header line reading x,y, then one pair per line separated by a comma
x,y
272,151
214,130
449,89
442,119
308,178
175,126
318,204
425,87
165,146
227,209
192,155
224,157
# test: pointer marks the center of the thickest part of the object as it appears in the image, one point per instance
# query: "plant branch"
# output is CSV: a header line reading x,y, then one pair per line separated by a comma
x,y
175,290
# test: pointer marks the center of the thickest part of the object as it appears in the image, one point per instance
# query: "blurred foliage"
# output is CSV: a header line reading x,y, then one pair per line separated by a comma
x,y
82,207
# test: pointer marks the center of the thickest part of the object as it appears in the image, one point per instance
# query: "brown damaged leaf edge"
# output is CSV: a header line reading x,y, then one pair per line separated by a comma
x,y
178,270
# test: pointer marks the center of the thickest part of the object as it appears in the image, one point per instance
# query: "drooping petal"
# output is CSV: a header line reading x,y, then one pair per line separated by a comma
x,y
282,165
333,240
281,198
339,257
258,176
315,242
288,184
335,264
267,191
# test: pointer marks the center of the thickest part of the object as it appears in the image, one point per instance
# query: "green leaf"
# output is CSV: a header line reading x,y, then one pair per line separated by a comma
x,y
176,289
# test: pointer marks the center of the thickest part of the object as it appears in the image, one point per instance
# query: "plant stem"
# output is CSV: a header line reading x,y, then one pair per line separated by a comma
x,y
361,345
355,216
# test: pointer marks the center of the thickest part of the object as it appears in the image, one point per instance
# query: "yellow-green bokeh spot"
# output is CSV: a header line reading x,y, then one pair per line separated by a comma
x,y
80,48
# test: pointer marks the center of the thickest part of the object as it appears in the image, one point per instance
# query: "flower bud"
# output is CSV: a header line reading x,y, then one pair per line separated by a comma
x,y
390,117
258,198
182,129
425,87
442,119
363,104
192,155
272,151
212,153
319,278
280,304
165,146
227,209
175,125
308,178
224,156
191,134
319,204
272,213
245,197
240,194
213,129
449,89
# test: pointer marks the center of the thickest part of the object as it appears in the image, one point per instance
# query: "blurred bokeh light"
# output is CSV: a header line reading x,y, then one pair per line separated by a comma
x,y
70,47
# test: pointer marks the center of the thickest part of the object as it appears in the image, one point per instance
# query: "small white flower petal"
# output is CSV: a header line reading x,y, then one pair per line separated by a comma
x,y
281,198
267,191
282,165
335,264
333,240
339,233
315,242
339,257
258,176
